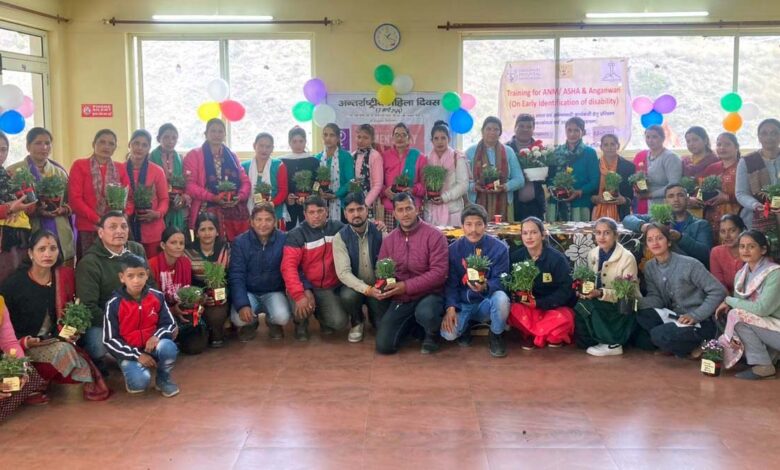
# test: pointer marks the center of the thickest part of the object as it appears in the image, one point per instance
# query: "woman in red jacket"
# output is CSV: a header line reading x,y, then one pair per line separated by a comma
x,y
147,222
87,187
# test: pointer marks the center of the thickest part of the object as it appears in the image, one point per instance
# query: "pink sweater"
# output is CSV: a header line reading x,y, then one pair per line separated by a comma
x,y
8,339
393,166
724,266
195,173
376,168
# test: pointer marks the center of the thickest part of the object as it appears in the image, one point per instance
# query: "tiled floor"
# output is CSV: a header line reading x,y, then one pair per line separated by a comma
x,y
329,404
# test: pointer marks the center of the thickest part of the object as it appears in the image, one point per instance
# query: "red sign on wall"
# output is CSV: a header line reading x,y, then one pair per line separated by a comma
x,y
97,110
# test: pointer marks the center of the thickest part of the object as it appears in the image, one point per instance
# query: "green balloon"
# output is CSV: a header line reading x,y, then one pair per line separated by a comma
x,y
731,102
384,74
450,101
302,111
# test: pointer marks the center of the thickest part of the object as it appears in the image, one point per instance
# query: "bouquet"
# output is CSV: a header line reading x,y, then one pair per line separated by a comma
x,y
51,190
709,187
476,269
661,214
303,183
12,369
116,197
433,176
520,280
584,279
23,183
538,156
226,190
76,320
563,184
639,181
491,177
385,274
612,182
402,183
323,180
142,198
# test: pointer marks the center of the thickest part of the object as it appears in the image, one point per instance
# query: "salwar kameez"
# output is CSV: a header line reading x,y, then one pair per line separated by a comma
x,y
599,322
554,326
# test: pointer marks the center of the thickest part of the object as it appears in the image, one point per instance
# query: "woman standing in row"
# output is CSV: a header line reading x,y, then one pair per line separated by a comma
x,y
402,159
610,162
146,223
342,170
298,160
369,167
445,210
14,220
583,162
755,171
725,202
170,161
661,166
267,170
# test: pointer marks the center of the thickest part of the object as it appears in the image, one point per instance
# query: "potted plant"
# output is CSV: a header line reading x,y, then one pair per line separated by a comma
x,y
12,369
189,299
709,188
262,191
323,180
385,274
142,198
176,187
434,175
711,358
625,291
661,214
76,320
116,197
612,182
491,177
355,186
535,161
639,181
563,184
476,269
584,279
215,279
303,184
520,280
51,190
772,199
226,190
23,183
689,184
402,183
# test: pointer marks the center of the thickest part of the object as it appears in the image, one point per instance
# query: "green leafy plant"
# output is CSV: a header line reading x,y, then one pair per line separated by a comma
x,y
624,287
189,296
689,184
177,182
479,263
52,186
142,197
323,175
263,188
385,270
116,197
521,277
214,275
563,180
303,182
355,186
711,183
12,366
76,315
612,182
582,272
771,190
23,182
434,176
712,351
639,181
490,174
402,181
661,214
226,186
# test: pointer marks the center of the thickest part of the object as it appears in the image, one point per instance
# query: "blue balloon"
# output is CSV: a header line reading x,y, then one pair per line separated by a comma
x,y
461,121
653,118
11,122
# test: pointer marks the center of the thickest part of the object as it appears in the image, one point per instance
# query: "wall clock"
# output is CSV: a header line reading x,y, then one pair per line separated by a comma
x,y
387,37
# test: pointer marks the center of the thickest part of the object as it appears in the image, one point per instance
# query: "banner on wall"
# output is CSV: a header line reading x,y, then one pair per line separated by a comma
x,y
594,89
419,111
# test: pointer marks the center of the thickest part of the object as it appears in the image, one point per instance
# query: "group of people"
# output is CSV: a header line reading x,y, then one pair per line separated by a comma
x,y
298,253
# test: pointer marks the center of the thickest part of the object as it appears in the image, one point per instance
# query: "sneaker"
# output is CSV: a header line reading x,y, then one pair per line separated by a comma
x,y
527,344
554,345
497,345
326,330
465,339
216,344
275,332
247,332
430,344
356,333
601,350
302,331
133,391
167,388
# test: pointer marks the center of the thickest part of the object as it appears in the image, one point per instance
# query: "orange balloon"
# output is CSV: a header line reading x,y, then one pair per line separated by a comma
x,y
732,122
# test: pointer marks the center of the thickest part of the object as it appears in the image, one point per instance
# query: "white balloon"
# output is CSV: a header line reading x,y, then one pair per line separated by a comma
x,y
324,114
218,89
749,111
403,84
11,96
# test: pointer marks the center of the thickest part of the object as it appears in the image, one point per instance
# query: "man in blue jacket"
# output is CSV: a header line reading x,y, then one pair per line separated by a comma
x,y
469,297
255,277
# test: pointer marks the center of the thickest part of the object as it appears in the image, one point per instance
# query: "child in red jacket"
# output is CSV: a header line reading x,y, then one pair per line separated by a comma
x,y
138,330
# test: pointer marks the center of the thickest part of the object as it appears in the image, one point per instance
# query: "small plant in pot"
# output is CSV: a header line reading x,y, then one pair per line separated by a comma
x,y
51,190
661,214
625,288
563,184
262,191
303,183
116,197
385,274
142,198
535,161
476,269
215,280
639,181
711,358
190,299
584,279
612,182
689,184
76,320
772,197
402,183
434,175
491,177
323,180
355,186
23,183
12,369
176,187
709,187
519,281
226,190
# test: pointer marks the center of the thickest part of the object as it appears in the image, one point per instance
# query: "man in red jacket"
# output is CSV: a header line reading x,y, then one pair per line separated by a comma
x,y
310,274
421,265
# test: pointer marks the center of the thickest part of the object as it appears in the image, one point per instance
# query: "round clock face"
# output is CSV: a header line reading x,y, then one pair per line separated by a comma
x,y
387,37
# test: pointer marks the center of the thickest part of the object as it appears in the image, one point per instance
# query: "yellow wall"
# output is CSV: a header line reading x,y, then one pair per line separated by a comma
x,y
91,64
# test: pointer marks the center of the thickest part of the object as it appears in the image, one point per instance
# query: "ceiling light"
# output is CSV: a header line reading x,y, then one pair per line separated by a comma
x,y
658,14
196,18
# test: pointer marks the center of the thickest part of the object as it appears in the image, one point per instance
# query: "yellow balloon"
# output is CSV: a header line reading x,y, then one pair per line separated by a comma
x,y
208,110
385,94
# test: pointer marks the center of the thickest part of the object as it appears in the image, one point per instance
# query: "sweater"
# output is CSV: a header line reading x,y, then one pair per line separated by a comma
x,y
662,171
421,260
724,266
376,174
767,303
696,240
8,339
456,185
277,176
620,264
753,173
394,165
255,267
151,232
458,293
516,178
585,169
553,285
129,323
686,287
352,251
82,197
307,262
346,170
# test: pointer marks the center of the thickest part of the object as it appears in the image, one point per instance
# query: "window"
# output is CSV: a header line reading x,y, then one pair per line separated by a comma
x,y
265,75
21,42
759,66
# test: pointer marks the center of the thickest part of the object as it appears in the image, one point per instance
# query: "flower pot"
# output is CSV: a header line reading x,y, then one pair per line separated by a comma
x,y
192,313
475,277
401,189
433,194
259,198
324,186
536,174
12,383
28,193
302,194
711,367
641,186
707,195
609,196
626,306
561,193
218,295
522,296
51,204
385,284
227,196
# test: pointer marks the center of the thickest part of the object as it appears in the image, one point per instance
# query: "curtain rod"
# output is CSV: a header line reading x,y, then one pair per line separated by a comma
x,y
324,22
581,25
59,18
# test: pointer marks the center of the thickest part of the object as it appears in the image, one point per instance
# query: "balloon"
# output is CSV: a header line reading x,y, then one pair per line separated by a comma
x,y
384,74
461,121
324,114
385,95
11,96
314,90
11,122
642,105
653,118
403,84
218,89
750,111
302,111
665,104
208,110
450,101
731,102
467,101
232,110
27,108
732,122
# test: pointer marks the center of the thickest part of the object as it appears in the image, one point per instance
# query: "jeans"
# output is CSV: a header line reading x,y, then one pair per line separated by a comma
x,y
400,319
353,302
274,304
495,308
93,343
329,310
138,377
668,337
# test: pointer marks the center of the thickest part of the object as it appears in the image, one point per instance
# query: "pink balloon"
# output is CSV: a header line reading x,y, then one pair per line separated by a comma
x,y
642,104
232,110
665,104
467,101
27,108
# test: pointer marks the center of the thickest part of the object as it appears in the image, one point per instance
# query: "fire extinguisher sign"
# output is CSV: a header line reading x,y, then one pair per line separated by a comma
x,y
97,110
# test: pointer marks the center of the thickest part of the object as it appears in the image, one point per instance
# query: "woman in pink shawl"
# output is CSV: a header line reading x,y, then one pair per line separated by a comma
x,y
445,210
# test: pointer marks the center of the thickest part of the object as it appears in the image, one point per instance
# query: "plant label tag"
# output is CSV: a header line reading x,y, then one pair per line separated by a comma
x,y
707,366
636,304
607,196
473,274
546,277
775,204
699,195
67,331
642,185
390,281
587,287
12,384
496,184
219,294
316,187
258,198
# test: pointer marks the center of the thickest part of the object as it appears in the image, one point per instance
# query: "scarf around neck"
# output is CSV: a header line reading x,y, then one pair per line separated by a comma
x,y
99,183
230,170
